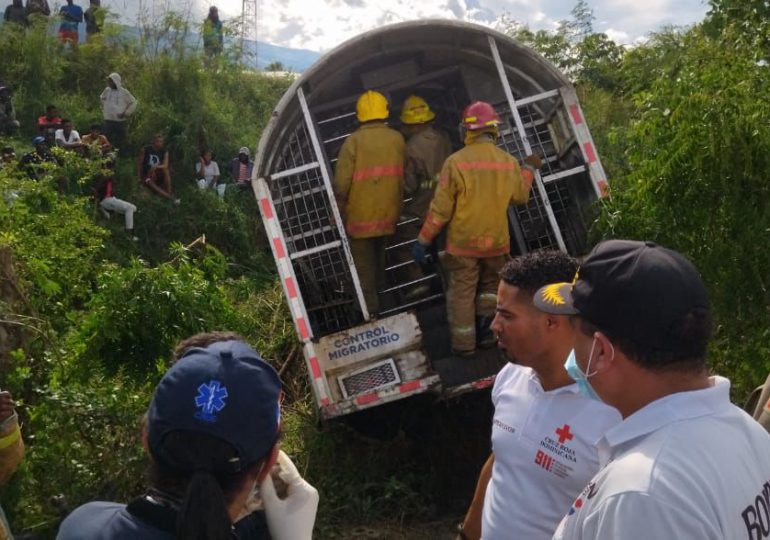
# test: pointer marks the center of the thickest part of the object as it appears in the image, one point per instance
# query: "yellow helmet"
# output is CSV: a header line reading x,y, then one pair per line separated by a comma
x,y
371,105
416,111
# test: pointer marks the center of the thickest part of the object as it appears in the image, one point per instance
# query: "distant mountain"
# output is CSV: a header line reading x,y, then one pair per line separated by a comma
x,y
297,60
292,59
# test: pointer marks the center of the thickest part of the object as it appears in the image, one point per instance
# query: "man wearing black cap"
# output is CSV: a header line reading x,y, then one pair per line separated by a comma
x,y
685,462
212,434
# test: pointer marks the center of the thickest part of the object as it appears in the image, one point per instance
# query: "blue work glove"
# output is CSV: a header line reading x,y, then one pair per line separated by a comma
x,y
419,251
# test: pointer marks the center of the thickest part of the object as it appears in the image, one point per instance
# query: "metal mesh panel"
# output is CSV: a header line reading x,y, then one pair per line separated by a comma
x,y
532,217
312,239
327,289
378,376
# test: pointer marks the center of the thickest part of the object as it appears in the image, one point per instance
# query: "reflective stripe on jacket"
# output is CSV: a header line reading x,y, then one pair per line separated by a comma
x,y
369,180
476,186
426,152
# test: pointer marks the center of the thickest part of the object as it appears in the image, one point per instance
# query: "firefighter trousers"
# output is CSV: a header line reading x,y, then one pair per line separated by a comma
x,y
471,292
369,258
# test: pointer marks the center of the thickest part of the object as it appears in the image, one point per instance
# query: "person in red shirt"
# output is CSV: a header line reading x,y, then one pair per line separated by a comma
x,y
103,191
49,123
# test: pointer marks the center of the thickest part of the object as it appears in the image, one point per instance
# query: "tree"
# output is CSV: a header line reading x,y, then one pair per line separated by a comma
x,y
275,66
582,23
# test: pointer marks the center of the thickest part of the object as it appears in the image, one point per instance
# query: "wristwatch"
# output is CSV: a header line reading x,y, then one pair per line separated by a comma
x,y
460,530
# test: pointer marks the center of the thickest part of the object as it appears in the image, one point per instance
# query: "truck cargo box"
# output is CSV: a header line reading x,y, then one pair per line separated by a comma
x,y
355,362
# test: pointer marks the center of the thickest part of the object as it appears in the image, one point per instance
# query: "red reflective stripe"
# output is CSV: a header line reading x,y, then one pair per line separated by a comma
x,y
483,383
303,331
315,368
477,253
528,177
604,189
443,180
279,252
486,166
409,387
325,402
377,171
590,152
266,209
367,398
384,225
574,110
290,288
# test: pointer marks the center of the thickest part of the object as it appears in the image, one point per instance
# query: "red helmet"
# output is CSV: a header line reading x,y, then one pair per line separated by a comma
x,y
479,115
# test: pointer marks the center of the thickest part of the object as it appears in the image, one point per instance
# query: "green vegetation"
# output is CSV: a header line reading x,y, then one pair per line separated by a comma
x,y
88,317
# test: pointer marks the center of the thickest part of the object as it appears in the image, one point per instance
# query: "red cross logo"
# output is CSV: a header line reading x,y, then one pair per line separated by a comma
x,y
564,434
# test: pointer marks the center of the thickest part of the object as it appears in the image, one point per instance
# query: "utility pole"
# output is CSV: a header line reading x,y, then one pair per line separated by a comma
x,y
248,27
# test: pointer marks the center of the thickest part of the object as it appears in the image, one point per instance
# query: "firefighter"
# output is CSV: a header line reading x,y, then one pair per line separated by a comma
x,y
426,150
368,186
476,186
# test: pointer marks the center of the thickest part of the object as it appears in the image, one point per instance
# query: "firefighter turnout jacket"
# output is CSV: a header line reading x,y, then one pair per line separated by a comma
x,y
426,152
476,186
369,180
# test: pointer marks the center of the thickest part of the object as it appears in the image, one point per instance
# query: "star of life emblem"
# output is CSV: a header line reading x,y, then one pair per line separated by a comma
x,y
210,400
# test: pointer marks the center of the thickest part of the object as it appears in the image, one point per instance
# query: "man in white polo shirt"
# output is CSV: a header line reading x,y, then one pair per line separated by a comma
x,y
544,429
685,462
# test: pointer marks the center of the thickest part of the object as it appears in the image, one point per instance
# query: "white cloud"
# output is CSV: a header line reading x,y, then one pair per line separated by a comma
x,y
324,24
618,36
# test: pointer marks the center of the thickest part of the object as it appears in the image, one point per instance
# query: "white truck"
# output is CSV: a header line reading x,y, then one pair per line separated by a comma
x,y
357,362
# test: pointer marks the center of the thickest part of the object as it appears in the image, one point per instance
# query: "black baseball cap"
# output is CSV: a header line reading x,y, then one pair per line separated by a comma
x,y
633,290
224,390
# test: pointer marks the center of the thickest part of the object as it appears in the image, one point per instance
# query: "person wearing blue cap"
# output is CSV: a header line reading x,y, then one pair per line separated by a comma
x,y
33,161
211,432
684,462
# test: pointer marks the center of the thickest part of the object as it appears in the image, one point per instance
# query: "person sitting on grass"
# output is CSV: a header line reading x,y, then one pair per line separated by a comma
x,y
33,161
49,123
208,171
240,169
97,141
68,138
8,123
154,170
103,191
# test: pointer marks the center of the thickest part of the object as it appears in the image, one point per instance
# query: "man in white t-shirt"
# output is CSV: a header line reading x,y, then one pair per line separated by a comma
x,y
544,429
685,462
68,138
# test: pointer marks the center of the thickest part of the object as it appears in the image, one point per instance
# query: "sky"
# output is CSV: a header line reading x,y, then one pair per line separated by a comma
x,y
320,25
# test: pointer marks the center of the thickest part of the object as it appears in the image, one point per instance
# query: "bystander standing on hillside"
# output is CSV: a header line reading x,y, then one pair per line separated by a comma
x,y
39,7
94,18
118,104
154,169
8,123
241,168
49,123
71,16
213,39
16,13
